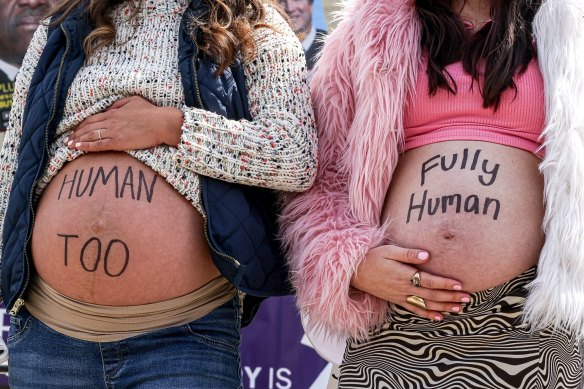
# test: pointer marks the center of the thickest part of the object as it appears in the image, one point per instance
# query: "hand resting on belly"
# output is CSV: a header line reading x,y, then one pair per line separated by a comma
x,y
475,207
109,230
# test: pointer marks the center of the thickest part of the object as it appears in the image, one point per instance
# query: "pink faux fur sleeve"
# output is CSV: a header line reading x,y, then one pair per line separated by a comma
x,y
326,242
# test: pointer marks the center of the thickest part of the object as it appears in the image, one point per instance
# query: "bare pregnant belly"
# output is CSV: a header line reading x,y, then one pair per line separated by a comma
x,y
110,231
476,207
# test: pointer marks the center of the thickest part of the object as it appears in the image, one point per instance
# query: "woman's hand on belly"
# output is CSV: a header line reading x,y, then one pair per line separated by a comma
x,y
132,123
477,207
386,273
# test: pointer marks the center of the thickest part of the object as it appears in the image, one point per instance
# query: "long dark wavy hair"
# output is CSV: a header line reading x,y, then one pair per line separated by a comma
x,y
224,33
501,48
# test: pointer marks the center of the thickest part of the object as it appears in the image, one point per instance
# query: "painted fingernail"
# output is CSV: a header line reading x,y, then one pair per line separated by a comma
x,y
77,144
455,309
422,255
438,318
69,143
457,287
66,140
465,300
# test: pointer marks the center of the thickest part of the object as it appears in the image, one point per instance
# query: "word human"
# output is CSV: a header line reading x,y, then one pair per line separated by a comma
x,y
84,182
456,202
113,265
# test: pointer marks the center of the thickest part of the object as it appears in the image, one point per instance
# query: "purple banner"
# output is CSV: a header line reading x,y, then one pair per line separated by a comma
x,y
275,352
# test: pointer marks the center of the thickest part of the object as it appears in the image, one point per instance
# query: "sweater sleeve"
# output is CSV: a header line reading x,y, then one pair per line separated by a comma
x,y
9,153
278,148
326,243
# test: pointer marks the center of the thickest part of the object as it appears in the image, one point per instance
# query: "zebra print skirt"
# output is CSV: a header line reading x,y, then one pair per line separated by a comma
x,y
485,346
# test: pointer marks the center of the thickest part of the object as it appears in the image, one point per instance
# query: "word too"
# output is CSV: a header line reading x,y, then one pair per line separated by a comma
x,y
91,264
89,182
486,178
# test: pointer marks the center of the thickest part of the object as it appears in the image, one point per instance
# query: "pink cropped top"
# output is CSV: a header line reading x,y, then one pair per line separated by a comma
x,y
518,122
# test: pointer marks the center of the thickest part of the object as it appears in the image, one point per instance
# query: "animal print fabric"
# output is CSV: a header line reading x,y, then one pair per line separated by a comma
x,y
485,346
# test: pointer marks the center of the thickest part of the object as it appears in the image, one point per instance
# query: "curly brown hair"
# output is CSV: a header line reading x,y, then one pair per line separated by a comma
x,y
224,33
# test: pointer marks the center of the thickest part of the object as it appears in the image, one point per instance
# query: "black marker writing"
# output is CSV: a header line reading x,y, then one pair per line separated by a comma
x,y
445,164
82,192
426,169
105,179
65,182
142,183
455,202
98,256
114,265
492,172
126,256
128,182
84,182
66,245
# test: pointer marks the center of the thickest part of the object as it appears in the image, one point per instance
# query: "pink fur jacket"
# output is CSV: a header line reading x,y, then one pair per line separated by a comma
x,y
367,69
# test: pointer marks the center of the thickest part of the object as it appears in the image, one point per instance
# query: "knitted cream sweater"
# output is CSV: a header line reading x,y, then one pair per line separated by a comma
x,y
276,150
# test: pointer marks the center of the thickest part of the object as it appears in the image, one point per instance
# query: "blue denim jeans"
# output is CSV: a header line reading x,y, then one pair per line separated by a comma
x,y
202,354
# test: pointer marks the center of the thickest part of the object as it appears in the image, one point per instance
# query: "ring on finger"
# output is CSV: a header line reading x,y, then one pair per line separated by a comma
x,y
416,280
99,133
416,301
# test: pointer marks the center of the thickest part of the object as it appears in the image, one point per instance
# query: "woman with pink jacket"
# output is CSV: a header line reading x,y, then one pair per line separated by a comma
x,y
444,233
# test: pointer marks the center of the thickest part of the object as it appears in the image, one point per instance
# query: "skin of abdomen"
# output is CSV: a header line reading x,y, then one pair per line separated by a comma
x,y
109,230
477,208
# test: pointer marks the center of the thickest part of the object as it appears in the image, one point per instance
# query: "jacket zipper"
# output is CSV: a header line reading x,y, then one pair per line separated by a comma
x,y
200,102
20,301
195,73
226,256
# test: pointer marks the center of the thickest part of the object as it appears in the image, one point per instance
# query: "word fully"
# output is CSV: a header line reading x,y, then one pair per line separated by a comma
x,y
486,176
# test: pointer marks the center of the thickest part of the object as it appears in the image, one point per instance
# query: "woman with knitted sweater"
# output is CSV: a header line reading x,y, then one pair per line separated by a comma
x,y
140,102
443,234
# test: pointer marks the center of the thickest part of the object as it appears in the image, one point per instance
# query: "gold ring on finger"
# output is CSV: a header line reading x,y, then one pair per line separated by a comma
x,y
416,301
416,280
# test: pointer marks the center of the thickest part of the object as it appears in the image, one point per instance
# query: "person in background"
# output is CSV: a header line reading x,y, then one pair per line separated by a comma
x,y
18,21
300,12
443,234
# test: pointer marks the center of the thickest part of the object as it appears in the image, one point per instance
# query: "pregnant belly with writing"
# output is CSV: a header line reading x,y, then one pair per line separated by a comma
x,y
109,230
476,207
